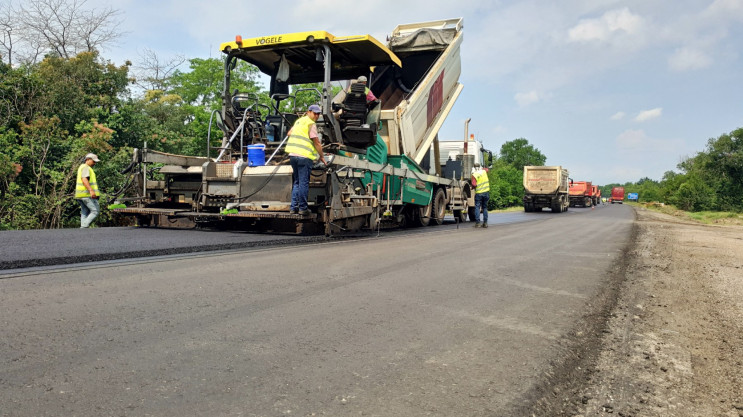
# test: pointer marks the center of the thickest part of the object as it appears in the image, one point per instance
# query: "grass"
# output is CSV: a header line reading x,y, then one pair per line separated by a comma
x,y
705,217
506,210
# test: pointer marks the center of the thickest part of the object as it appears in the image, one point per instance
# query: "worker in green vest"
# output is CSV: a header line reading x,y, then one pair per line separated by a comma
x,y
482,194
86,191
303,149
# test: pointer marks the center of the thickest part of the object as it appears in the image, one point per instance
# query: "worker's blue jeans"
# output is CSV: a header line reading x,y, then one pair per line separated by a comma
x,y
300,182
481,202
89,209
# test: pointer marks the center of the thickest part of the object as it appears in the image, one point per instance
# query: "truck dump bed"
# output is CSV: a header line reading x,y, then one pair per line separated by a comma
x,y
545,179
580,188
418,96
617,195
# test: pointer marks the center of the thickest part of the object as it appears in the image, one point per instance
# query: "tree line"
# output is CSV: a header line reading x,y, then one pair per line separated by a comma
x,y
711,180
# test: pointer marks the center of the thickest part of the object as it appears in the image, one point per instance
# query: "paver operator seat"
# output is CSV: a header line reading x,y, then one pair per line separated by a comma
x,y
353,119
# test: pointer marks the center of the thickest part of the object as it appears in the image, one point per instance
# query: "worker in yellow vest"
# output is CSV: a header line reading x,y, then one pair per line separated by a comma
x,y
86,191
303,149
369,95
482,194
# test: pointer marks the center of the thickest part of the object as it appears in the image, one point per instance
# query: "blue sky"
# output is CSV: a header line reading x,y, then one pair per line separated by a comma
x,y
613,90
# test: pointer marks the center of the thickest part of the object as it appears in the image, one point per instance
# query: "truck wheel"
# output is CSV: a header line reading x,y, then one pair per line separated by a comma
x,y
438,207
424,215
407,217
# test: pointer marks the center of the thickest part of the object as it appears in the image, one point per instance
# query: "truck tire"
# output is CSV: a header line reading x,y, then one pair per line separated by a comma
x,y
423,217
438,207
407,217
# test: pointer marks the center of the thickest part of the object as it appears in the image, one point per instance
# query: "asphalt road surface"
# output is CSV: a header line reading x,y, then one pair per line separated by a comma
x,y
38,248
445,321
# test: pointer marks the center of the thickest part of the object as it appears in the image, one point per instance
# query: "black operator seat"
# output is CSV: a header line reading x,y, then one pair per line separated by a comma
x,y
354,106
355,130
280,124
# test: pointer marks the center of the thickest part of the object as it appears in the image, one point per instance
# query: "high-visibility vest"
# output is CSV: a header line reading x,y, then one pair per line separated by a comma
x,y
483,183
80,190
299,142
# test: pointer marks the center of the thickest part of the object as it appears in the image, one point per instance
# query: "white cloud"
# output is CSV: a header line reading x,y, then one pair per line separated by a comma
x,y
525,99
637,140
646,115
688,58
639,155
498,129
729,9
609,24
618,116
631,139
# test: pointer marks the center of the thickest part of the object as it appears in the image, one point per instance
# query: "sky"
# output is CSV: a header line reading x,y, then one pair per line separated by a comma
x,y
615,91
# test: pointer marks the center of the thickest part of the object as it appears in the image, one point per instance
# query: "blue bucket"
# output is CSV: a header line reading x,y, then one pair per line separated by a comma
x,y
256,155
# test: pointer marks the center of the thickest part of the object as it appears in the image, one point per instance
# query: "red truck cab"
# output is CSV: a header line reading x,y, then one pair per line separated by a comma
x,y
595,194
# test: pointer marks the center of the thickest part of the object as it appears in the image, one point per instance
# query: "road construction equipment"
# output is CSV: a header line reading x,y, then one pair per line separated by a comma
x,y
379,172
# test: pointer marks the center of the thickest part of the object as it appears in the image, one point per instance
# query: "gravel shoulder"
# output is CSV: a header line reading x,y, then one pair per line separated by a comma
x,y
673,344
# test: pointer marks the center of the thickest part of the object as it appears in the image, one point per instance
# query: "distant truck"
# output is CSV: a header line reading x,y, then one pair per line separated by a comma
x,y
617,195
581,194
596,194
546,186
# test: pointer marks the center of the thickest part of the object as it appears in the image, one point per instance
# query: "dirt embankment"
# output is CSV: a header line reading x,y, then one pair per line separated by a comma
x,y
674,342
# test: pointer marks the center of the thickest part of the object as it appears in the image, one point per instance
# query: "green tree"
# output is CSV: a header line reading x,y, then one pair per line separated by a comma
x,y
50,117
723,165
520,153
21,95
81,88
693,194
506,186
200,92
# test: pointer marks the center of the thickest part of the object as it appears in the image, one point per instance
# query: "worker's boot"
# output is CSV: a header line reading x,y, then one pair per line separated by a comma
x,y
476,225
485,225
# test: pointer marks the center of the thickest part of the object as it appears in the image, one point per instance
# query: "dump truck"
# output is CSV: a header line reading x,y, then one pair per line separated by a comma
x,y
379,171
617,195
546,186
580,194
595,194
